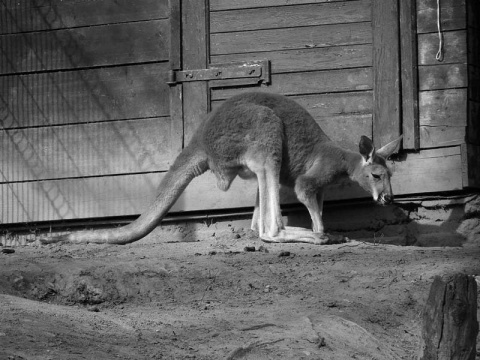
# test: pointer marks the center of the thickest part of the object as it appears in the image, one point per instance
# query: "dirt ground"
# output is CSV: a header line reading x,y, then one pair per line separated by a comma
x,y
227,297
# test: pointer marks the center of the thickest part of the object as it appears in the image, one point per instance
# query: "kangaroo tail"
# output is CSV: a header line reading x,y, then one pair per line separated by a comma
x,y
190,163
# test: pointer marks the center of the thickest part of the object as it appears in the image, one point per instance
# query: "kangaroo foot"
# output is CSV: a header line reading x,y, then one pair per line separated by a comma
x,y
295,234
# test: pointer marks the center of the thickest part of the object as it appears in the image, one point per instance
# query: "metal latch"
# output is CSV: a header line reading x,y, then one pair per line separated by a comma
x,y
249,72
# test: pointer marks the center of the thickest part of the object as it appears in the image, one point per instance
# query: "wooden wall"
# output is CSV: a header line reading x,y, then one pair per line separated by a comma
x,y
443,85
321,55
85,110
84,105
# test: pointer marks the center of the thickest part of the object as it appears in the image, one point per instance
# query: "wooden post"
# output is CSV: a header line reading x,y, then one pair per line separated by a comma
x,y
386,74
450,324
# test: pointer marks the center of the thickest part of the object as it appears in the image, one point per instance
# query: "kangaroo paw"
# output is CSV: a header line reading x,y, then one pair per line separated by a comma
x,y
294,235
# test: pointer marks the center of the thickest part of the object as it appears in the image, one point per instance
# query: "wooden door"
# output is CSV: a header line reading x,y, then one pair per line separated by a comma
x,y
339,59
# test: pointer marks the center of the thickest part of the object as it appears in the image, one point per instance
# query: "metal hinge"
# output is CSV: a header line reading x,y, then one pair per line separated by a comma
x,y
220,75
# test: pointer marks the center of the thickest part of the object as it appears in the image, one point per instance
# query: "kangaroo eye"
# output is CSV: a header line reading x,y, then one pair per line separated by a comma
x,y
376,176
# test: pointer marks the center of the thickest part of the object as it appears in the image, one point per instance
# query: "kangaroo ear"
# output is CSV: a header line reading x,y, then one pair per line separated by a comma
x,y
366,148
391,148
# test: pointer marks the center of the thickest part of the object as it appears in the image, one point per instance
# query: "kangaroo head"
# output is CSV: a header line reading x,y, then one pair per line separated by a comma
x,y
373,174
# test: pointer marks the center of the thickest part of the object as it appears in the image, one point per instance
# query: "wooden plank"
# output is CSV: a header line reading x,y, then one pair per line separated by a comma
x,y
453,16
117,147
285,39
175,16
386,77
315,82
443,107
290,16
195,56
84,96
85,47
28,16
442,76
409,74
218,5
176,91
325,106
438,136
454,45
336,57
432,4
443,171
130,194
343,116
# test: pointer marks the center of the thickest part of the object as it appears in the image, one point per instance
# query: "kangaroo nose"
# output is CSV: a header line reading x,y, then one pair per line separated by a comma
x,y
388,198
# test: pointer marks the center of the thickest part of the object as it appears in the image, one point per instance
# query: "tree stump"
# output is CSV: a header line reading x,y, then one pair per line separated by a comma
x,y
450,324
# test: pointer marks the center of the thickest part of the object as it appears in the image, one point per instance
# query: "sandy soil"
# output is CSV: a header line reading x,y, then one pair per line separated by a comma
x,y
219,299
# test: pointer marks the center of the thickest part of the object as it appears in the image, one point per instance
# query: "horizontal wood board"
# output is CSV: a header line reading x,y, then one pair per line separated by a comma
x,y
218,5
116,44
41,15
290,16
130,194
443,107
318,82
308,59
284,39
79,150
443,117
44,99
452,15
443,76
454,45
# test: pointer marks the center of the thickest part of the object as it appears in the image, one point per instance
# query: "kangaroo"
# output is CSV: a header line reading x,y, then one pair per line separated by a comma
x,y
275,140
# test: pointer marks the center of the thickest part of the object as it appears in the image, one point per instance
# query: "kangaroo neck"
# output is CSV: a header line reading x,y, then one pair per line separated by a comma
x,y
347,162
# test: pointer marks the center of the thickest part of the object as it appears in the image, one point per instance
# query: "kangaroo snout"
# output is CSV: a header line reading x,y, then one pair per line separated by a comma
x,y
385,199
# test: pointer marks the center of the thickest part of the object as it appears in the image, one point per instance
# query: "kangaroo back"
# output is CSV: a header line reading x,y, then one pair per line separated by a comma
x,y
191,162
300,131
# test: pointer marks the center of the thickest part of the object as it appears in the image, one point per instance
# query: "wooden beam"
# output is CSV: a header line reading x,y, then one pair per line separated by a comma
x,y
409,74
195,56
386,74
175,63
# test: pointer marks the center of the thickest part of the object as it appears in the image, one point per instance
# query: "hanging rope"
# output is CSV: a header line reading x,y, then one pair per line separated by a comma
x,y
439,55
